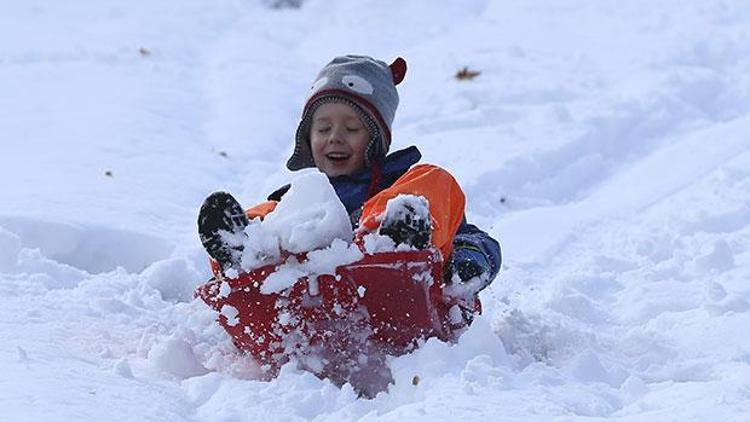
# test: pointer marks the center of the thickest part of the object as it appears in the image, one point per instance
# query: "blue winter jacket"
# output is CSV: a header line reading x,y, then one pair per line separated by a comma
x,y
470,242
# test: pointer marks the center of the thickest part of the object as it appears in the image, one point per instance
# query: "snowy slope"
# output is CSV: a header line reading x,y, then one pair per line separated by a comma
x,y
604,143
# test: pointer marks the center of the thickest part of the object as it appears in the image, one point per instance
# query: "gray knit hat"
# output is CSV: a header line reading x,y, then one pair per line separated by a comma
x,y
369,87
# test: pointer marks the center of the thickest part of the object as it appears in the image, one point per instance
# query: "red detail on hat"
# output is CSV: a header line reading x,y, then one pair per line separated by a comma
x,y
398,69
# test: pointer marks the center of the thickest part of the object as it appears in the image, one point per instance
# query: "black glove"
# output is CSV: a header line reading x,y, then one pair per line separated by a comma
x,y
221,213
468,262
408,226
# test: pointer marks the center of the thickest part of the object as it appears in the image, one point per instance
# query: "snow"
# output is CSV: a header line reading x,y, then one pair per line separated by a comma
x,y
284,277
604,143
231,314
374,242
414,205
10,246
122,368
310,218
176,357
318,262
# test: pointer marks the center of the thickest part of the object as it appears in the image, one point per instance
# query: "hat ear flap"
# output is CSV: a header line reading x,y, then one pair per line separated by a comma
x,y
398,70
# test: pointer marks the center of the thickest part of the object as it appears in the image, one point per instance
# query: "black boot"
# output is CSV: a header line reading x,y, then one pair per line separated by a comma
x,y
408,221
221,225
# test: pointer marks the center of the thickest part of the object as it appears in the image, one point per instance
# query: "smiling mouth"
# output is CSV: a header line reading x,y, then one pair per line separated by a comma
x,y
338,156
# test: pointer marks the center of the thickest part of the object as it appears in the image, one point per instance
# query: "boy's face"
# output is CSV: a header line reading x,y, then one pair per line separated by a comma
x,y
338,140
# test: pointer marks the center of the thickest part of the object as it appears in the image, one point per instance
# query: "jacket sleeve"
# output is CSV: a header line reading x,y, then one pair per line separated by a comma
x,y
471,237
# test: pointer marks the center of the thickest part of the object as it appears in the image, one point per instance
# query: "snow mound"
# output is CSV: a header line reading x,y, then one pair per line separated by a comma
x,y
10,246
94,249
310,217
175,356
174,278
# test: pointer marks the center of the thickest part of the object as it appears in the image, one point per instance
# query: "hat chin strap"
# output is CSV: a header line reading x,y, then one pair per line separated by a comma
x,y
374,150
372,190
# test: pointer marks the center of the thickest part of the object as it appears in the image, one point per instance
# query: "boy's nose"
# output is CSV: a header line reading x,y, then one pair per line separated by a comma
x,y
336,135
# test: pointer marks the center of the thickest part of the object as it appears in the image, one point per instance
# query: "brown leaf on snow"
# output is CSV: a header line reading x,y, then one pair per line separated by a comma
x,y
466,75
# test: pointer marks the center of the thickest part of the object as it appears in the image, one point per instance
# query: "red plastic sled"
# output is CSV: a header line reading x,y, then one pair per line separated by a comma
x,y
386,301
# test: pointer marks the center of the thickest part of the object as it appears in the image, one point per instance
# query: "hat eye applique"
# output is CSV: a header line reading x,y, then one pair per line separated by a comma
x,y
357,84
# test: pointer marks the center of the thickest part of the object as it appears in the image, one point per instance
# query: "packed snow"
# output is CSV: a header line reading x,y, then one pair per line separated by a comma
x,y
311,218
604,143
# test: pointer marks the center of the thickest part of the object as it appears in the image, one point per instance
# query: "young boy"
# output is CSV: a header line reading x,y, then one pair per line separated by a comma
x,y
345,132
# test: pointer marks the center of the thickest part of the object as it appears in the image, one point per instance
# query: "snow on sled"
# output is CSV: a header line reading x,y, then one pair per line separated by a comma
x,y
386,301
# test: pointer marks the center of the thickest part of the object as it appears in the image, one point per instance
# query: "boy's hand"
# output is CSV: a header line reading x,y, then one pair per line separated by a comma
x,y
467,262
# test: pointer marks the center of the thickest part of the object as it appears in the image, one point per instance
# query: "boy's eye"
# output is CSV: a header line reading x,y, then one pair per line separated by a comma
x,y
322,129
353,129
